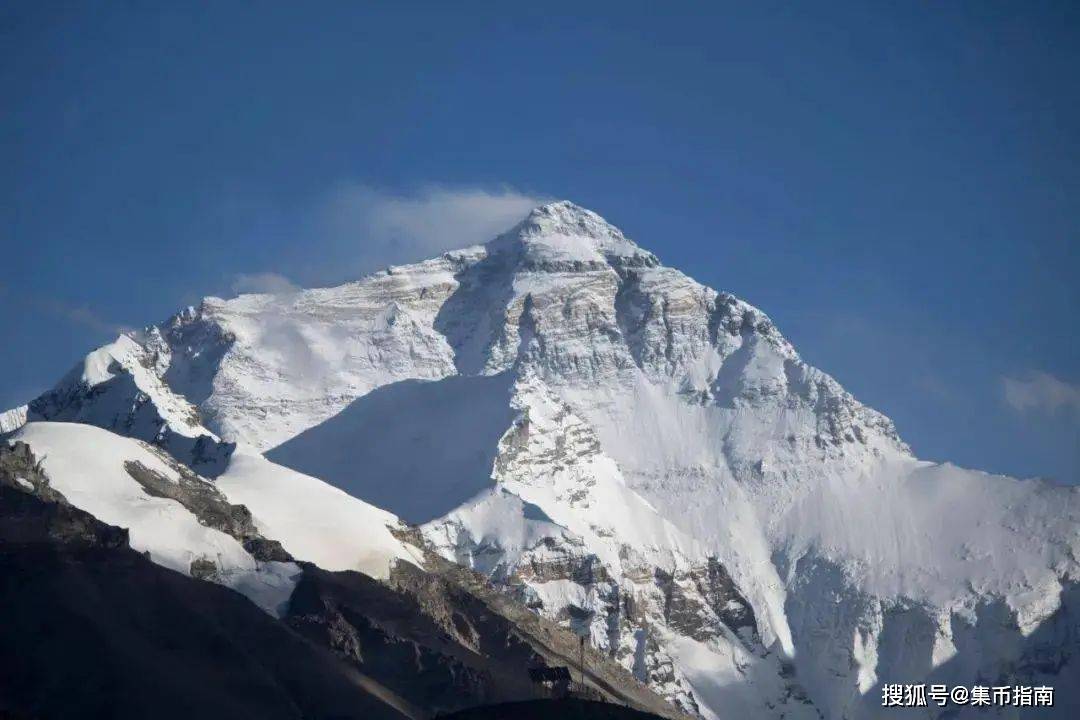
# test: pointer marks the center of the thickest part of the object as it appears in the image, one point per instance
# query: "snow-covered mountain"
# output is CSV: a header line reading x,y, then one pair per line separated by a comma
x,y
631,453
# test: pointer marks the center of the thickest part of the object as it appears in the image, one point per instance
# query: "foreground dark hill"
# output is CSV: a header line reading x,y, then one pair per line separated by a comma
x,y
564,709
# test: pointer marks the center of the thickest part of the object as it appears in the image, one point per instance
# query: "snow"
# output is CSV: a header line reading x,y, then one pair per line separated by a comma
x,y
314,521
494,519
555,478
126,357
436,455
560,594
713,676
294,362
86,465
997,536
564,231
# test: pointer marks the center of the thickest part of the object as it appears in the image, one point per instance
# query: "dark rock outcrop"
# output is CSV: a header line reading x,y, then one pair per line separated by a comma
x,y
206,502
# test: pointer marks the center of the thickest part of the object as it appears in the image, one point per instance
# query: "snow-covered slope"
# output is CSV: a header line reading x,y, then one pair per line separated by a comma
x,y
632,453
90,468
315,521
105,474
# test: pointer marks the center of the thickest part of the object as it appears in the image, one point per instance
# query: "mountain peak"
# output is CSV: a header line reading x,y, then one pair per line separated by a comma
x,y
565,218
567,213
562,231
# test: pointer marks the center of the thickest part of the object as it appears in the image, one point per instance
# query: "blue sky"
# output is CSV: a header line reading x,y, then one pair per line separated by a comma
x,y
896,184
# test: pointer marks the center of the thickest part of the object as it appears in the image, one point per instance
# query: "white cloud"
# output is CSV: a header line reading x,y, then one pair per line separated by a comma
x,y
267,282
382,228
352,229
1041,392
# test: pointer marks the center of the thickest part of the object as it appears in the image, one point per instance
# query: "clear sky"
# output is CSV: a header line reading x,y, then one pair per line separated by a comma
x,y
896,184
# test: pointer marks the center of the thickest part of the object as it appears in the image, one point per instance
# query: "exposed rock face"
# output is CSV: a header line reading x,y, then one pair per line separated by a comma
x,y
20,470
439,652
13,419
484,618
636,456
211,508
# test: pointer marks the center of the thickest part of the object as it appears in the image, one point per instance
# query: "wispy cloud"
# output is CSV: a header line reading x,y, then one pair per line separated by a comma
x,y
353,229
265,282
1041,392
380,228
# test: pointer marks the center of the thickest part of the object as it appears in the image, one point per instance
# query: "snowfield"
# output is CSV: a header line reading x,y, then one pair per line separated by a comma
x,y
315,521
634,455
86,465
